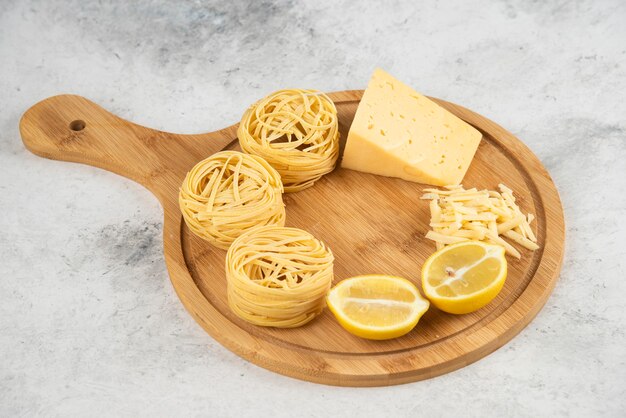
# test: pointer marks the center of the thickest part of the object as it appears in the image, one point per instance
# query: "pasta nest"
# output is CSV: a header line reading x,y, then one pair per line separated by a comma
x,y
228,193
296,131
278,276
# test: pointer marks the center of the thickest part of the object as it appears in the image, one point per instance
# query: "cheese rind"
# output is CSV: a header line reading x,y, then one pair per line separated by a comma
x,y
398,132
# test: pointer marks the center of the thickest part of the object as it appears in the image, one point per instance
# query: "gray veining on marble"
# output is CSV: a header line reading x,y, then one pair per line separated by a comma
x,y
89,323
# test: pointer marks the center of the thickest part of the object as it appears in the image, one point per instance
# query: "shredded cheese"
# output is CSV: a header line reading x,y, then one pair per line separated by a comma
x,y
459,215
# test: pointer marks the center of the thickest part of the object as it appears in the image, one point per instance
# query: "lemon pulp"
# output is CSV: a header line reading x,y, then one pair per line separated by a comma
x,y
377,306
464,277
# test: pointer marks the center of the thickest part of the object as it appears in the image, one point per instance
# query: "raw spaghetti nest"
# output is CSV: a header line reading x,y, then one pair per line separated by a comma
x,y
278,276
229,193
296,131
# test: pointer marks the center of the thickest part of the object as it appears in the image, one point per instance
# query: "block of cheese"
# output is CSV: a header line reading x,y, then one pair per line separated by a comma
x,y
398,132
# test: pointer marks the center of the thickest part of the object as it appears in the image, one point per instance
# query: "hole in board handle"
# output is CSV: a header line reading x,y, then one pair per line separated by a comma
x,y
77,125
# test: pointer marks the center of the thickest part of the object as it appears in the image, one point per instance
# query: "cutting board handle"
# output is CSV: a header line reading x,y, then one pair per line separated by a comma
x,y
72,128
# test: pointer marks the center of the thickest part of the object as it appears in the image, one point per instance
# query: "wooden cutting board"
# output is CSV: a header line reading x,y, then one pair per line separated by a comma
x,y
372,224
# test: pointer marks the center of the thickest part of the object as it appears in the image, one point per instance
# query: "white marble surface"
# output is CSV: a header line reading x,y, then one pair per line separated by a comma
x,y
89,323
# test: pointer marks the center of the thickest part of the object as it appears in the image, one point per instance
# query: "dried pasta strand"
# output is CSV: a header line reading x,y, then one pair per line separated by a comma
x,y
296,131
278,276
229,193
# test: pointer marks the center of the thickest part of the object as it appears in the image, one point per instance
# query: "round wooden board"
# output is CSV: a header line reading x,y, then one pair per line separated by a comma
x,y
373,224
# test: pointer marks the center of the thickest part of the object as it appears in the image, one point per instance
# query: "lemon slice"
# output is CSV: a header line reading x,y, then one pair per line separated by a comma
x,y
464,277
377,307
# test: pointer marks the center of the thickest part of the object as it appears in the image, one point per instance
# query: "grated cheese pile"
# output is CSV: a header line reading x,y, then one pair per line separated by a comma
x,y
458,215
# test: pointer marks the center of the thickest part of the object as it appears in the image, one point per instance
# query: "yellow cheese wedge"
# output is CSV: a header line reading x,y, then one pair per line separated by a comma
x,y
398,132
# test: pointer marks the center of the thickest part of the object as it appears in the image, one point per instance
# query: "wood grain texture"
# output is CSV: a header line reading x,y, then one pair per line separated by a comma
x,y
373,224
